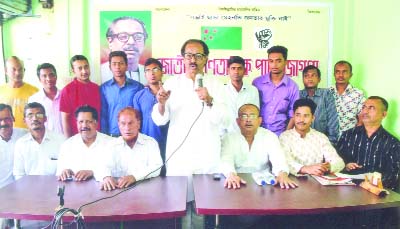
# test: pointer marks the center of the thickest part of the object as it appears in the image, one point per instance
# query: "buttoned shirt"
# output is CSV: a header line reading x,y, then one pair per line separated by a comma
x,y
276,102
75,155
248,94
238,157
139,76
113,99
348,106
141,161
326,119
314,148
7,156
52,108
76,94
378,153
17,98
200,149
144,101
33,158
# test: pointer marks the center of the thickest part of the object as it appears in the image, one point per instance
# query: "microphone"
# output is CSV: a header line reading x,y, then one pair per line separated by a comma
x,y
199,80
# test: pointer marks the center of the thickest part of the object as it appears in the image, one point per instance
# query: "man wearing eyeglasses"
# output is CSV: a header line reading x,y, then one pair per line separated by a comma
x,y
127,34
117,93
36,153
144,101
192,101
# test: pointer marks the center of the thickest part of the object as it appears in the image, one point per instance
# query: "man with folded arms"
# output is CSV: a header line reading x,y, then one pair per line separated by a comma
x,y
307,150
78,154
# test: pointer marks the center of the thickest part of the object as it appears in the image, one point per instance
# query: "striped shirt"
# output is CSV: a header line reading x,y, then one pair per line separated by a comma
x,y
378,153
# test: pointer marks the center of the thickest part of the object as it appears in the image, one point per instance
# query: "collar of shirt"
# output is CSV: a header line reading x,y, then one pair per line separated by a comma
x,y
267,79
231,87
348,89
304,93
29,137
43,94
140,140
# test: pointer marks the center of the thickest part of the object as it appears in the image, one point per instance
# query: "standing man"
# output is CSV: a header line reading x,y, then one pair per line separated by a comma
x,y
49,96
116,93
127,34
79,155
325,118
144,101
16,92
370,148
277,93
349,100
307,150
8,136
194,104
132,157
238,92
36,153
80,91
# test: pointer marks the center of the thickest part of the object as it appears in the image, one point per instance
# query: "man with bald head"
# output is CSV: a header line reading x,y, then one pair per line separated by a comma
x,y
16,92
127,34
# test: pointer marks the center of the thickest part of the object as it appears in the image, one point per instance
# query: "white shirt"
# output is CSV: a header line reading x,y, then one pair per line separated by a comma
x,y
314,148
7,156
236,156
143,160
32,158
75,155
234,99
200,149
139,76
52,108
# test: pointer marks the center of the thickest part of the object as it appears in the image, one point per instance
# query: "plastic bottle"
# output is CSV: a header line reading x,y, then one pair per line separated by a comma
x,y
263,178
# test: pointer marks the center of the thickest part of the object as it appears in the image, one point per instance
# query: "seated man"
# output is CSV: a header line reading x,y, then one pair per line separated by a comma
x,y
36,152
251,150
132,157
370,148
307,150
78,154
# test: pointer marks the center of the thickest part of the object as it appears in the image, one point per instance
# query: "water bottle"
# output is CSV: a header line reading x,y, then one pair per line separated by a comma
x,y
263,178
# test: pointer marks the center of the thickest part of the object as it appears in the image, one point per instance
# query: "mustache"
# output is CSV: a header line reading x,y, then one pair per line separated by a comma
x,y
300,123
130,48
4,126
85,129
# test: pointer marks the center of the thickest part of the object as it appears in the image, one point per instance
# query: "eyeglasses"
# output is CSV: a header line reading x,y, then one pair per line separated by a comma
x,y
124,37
245,117
154,70
197,56
30,116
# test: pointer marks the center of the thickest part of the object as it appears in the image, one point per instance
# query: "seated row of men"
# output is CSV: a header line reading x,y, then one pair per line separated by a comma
x,y
135,156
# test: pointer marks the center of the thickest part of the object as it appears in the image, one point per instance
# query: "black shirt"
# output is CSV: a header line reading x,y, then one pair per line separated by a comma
x,y
378,153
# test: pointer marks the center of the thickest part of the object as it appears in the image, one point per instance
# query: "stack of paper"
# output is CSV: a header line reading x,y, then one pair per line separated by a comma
x,y
333,179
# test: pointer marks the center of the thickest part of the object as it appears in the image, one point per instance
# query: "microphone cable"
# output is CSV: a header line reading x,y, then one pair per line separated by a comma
x,y
78,217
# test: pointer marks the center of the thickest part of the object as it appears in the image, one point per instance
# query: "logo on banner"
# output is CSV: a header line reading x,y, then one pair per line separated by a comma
x,y
263,37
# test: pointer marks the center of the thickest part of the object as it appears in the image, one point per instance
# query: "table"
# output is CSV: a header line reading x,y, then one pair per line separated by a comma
x,y
309,198
35,198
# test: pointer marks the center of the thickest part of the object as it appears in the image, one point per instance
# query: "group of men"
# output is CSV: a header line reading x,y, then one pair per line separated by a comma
x,y
193,122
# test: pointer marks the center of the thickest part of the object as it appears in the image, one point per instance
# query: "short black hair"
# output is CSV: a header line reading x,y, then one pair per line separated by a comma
x,y
279,49
87,108
235,60
344,62
118,53
77,57
110,31
45,66
34,105
384,101
305,103
249,104
205,47
311,67
153,61
4,106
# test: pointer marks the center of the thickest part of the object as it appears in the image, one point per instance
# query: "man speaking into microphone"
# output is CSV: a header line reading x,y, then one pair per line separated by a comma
x,y
197,99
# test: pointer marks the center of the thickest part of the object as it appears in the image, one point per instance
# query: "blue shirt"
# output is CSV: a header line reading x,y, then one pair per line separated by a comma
x,y
326,117
144,101
113,99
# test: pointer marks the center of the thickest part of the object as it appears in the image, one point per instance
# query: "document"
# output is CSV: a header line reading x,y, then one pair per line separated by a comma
x,y
333,179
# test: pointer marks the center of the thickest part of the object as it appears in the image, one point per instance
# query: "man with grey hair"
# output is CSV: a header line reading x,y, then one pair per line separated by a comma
x,y
127,34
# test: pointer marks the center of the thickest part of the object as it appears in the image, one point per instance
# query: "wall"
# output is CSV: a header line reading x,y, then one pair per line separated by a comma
x,y
365,34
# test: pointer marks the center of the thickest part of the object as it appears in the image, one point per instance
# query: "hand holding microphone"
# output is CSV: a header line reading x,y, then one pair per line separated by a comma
x,y
202,91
